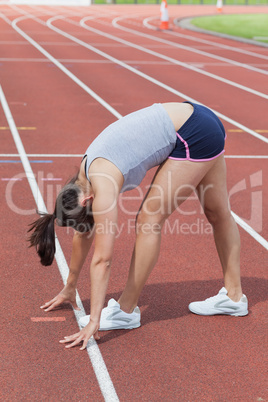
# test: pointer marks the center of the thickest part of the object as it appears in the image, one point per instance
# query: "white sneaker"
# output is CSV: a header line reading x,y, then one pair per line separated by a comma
x,y
220,304
112,317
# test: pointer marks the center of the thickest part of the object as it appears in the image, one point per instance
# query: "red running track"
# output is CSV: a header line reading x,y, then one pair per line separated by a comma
x,y
174,355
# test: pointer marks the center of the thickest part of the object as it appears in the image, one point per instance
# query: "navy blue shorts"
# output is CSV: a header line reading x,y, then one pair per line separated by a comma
x,y
201,137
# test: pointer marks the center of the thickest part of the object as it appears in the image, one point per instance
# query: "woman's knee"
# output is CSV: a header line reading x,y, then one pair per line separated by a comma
x,y
217,215
149,222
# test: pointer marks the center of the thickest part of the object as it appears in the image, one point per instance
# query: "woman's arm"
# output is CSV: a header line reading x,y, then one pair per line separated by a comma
x,y
105,227
81,245
80,248
106,189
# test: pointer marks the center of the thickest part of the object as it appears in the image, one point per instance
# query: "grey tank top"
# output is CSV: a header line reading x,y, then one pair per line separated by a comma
x,y
135,143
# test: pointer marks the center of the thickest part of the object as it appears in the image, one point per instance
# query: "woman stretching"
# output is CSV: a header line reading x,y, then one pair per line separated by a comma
x,y
186,141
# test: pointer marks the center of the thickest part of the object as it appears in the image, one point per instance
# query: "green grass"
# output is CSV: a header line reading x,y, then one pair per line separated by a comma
x,y
229,2
244,25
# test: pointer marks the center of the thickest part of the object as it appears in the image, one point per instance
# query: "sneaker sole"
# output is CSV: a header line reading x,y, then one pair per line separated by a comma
x,y
242,314
128,327
133,326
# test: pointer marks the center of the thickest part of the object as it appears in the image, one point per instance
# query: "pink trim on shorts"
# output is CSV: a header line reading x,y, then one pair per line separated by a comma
x,y
196,160
186,146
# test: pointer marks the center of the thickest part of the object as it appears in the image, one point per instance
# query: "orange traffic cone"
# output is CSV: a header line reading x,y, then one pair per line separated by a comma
x,y
164,15
219,6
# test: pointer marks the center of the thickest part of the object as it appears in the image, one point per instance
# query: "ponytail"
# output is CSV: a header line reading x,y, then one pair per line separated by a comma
x,y
68,212
43,238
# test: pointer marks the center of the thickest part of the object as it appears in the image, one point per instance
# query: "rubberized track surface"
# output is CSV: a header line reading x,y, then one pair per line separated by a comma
x,y
49,68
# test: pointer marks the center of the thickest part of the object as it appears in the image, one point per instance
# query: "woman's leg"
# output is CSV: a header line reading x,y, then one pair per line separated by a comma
x,y
213,196
173,183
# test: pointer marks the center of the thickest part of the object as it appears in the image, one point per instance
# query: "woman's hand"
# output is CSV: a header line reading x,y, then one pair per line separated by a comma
x,y
82,336
67,295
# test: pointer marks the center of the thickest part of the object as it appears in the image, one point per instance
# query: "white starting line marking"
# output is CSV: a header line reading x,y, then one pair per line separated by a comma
x,y
81,156
51,179
93,351
10,179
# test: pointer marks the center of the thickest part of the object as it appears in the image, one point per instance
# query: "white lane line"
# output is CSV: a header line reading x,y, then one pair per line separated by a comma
x,y
7,20
93,351
143,75
82,86
93,94
146,23
81,156
204,41
62,68
190,49
246,156
21,60
134,62
97,61
167,58
43,155
250,231
187,48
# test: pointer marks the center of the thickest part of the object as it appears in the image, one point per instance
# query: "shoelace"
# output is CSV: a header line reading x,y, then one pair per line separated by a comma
x,y
214,297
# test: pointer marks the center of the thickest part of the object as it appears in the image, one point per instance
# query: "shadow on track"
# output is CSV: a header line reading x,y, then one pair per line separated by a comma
x,y
166,301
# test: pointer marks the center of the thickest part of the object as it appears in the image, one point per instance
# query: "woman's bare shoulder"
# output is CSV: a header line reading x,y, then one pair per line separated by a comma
x,y
103,171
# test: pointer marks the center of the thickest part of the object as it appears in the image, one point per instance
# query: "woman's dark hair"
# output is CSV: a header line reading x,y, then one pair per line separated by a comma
x,y
68,212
